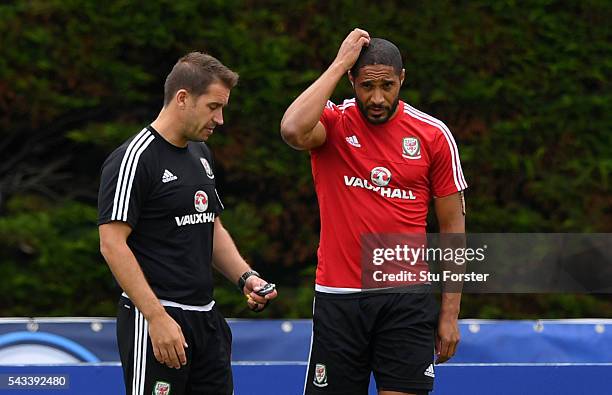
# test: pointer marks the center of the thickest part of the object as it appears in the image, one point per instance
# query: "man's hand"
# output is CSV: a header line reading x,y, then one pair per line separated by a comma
x,y
447,337
257,303
351,48
168,341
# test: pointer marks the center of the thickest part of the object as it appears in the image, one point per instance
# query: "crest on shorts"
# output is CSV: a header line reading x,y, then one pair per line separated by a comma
x,y
207,168
411,148
320,375
161,388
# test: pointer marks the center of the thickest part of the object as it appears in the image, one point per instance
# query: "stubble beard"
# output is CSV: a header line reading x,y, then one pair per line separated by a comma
x,y
377,121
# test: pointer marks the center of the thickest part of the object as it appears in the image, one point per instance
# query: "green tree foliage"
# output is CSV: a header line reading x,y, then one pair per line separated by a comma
x,y
525,87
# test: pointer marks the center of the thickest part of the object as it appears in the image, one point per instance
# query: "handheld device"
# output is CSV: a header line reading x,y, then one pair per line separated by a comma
x,y
268,288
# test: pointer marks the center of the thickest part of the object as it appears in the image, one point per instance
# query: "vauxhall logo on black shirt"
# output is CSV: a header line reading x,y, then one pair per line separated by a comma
x,y
200,201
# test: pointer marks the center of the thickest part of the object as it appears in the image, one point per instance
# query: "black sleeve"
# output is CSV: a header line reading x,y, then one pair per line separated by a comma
x,y
124,183
219,203
219,207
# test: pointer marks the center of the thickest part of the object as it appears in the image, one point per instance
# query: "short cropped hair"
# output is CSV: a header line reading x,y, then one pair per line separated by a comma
x,y
195,72
379,51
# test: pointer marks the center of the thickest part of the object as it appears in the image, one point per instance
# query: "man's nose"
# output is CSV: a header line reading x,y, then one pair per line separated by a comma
x,y
378,99
218,117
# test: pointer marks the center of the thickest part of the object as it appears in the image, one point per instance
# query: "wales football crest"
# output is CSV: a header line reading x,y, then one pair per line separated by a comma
x,y
320,376
161,388
411,148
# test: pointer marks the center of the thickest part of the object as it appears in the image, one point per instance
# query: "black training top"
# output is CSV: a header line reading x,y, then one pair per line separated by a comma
x,y
167,195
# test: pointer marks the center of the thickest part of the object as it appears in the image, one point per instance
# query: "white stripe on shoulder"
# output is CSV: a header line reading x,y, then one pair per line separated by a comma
x,y
126,156
346,104
219,199
330,104
408,110
126,204
125,174
458,177
345,107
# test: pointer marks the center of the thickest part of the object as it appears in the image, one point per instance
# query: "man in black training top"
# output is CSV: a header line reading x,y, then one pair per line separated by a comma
x,y
160,234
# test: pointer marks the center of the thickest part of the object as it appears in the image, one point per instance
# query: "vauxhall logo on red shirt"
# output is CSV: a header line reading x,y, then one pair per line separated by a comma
x,y
379,179
380,176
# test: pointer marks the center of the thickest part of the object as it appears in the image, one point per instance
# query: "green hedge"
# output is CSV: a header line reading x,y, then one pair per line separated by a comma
x,y
524,86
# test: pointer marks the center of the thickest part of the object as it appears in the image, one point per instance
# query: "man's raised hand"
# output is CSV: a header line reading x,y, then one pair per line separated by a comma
x,y
351,48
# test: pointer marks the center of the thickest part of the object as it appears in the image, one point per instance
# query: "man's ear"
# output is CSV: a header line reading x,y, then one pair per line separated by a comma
x,y
181,98
402,76
351,79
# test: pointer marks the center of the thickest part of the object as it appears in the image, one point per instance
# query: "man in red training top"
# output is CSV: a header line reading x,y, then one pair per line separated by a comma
x,y
377,163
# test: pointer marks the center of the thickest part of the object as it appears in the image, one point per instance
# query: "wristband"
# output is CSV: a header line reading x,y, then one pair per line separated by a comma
x,y
243,278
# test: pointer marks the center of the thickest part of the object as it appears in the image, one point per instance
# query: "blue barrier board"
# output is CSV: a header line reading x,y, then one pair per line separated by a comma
x,y
288,379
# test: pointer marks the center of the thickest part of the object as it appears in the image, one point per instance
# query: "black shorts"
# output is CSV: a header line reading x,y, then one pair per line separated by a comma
x,y
208,369
391,335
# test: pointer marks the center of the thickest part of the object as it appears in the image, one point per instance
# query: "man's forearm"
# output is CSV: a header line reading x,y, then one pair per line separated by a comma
x,y
451,216
128,274
226,258
450,304
305,111
453,238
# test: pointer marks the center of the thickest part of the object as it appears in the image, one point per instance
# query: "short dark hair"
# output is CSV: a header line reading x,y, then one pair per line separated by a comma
x,y
195,72
379,51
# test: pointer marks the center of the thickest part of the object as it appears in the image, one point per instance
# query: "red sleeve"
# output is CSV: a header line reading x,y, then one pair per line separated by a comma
x,y
330,116
446,175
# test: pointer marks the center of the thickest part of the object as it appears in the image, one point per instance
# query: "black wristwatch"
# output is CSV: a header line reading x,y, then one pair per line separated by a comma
x,y
243,278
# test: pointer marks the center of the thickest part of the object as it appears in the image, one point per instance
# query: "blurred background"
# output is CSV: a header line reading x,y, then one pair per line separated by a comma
x,y
524,86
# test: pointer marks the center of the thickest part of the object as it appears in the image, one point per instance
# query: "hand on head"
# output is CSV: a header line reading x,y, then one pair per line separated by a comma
x,y
351,48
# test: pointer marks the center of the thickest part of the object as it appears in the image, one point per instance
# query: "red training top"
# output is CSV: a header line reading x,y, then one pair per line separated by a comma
x,y
376,179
